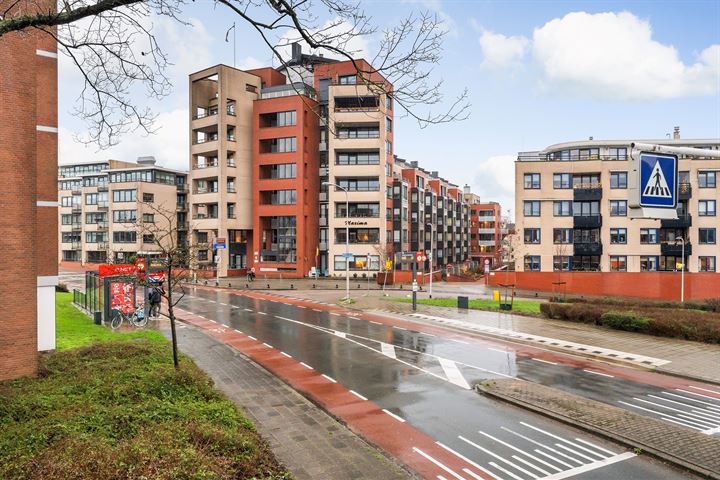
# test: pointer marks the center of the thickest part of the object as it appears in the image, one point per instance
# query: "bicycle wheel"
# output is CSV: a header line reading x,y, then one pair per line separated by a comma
x,y
139,319
115,319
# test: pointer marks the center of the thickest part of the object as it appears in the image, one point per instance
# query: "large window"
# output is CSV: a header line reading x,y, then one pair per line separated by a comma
x,y
278,145
618,263
347,79
706,264
532,263
618,208
91,199
124,216
531,208
562,263
282,197
358,235
360,184
562,235
283,240
133,176
617,153
706,235
671,263
92,218
358,262
706,208
586,235
586,263
357,158
360,131
532,235
649,235
586,180
357,210
586,209
618,235
618,179
562,208
281,170
124,195
648,263
70,237
707,179
532,181
124,237
95,237
562,180
278,119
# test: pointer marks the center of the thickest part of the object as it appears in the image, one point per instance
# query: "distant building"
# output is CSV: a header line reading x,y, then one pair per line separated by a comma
x,y
486,231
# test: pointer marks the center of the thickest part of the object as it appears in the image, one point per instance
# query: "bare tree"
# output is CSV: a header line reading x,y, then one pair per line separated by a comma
x,y
113,45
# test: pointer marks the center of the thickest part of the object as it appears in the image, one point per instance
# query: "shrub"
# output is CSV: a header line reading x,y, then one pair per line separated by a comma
x,y
573,312
628,321
61,287
713,304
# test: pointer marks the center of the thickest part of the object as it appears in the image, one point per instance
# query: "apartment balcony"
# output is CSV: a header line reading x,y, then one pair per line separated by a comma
x,y
684,191
102,225
231,190
76,227
587,191
231,163
103,245
683,221
590,248
591,221
76,191
102,188
200,191
183,226
484,243
76,208
204,216
675,249
76,246
102,205
490,231
323,246
323,221
182,188
203,166
181,207
323,197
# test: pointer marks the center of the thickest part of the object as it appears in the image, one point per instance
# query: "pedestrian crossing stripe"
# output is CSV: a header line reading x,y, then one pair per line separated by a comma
x,y
657,185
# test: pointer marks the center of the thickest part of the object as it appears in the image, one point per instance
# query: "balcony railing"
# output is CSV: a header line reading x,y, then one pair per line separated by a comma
x,y
76,208
199,191
675,249
590,248
206,139
102,188
76,226
76,191
181,207
207,113
231,163
587,191
75,246
201,166
182,188
102,225
231,138
204,216
102,205
231,189
590,221
684,220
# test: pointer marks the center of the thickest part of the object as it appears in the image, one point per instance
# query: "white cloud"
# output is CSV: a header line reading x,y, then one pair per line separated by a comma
x,y
500,52
613,55
340,34
251,63
494,180
169,145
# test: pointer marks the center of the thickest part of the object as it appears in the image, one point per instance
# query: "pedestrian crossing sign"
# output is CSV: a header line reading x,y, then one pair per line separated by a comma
x,y
658,180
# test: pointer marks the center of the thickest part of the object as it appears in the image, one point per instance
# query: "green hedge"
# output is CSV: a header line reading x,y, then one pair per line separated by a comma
x,y
663,322
709,305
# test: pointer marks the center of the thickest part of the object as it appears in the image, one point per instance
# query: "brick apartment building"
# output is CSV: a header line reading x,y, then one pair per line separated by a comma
x,y
486,231
100,203
28,167
275,155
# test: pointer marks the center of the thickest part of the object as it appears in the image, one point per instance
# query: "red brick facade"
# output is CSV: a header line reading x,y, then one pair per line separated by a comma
x,y
28,167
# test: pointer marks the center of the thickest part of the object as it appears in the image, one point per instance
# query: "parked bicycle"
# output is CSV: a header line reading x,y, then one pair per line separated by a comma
x,y
136,317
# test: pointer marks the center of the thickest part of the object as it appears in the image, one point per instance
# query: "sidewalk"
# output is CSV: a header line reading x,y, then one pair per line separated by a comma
x,y
305,439
686,359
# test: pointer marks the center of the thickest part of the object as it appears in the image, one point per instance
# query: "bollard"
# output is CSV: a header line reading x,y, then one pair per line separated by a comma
x,y
229,285
462,302
336,286
291,286
247,286
268,285
313,285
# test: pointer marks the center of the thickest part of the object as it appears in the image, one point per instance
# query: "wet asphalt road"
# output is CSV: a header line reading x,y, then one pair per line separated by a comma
x,y
423,379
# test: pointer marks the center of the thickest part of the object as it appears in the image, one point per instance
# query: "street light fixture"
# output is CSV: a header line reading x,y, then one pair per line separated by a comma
x,y
347,238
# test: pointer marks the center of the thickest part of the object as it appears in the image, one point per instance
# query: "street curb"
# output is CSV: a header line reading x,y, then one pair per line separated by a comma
x,y
607,434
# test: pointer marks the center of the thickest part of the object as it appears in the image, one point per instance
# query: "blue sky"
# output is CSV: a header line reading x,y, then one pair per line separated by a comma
x,y
538,72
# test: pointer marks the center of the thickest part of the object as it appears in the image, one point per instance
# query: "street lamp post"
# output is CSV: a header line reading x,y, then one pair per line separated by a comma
x,y
347,238
682,269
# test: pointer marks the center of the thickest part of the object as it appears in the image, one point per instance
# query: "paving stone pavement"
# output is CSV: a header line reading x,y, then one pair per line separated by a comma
x,y
310,443
680,446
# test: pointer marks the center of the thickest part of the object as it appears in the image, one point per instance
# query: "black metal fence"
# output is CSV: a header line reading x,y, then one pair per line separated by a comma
x,y
92,299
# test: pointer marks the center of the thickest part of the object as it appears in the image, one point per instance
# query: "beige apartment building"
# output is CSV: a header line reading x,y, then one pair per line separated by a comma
x,y
101,204
572,211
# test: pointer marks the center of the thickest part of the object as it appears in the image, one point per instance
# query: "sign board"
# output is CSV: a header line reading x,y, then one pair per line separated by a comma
x,y
217,246
140,264
122,296
109,270
487,261
658,180
347,255
487,267
220,241
388,264
407,257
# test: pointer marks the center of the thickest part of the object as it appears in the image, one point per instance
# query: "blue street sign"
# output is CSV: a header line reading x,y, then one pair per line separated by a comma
x,y
219,245
347,255
658,180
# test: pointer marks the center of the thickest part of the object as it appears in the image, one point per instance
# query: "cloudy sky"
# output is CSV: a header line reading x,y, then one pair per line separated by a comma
x,y
539,72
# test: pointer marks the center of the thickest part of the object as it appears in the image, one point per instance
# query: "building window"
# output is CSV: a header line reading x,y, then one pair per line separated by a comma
x,y
148,218
586,180
586,235
562,235
359,235
124,195
670,263
124,237
532,263
347,79
562,208
93,218
148,197
649,235
618,235
706,208
562,180
532,235
278,119
124,216
562,263
358,131
706,235
362,184
282,197
532,181
148,238
618,263
648,263
706,179
618,179
586,209
278,145
95,237
617,153
388,146
618,208
586,263
706,264
531,208
357,158
388,124
281,170
202,255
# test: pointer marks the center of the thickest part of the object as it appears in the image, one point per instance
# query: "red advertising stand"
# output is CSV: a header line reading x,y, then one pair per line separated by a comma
x,y
119,284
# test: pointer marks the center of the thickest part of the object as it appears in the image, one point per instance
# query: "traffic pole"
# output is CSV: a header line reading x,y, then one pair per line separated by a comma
x,y
414,286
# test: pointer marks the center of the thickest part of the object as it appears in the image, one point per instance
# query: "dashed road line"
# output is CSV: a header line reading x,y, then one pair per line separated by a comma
x,y
306,365
250,336
358,395
247,309
498,350
598,373
286,354
469,472
238,331
543,361
328,378
396,417
436,462
267,345
262,313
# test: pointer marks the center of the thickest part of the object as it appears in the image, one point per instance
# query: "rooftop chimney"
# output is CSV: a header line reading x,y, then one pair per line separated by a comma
x,y
590,138
676,133
434,174
148,160
414,164
466,189
296,52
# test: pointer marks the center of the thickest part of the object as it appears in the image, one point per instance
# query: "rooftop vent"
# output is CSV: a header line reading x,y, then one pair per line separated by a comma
x,y
148,160
676,133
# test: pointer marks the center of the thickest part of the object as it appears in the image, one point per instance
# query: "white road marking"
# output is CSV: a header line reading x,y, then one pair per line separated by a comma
x,y
225,304
399,419
289,356
595,446
301,306
316,310
262,313
329,378
340,334
388,350
581,455
399,328
306,365
590,466
505,471
453,373
562,440
598,373
247,309
681,412
358,395
267,345
440,477
250,336
475,475
497,350
467,460
504,460
543,361
336,314
711,431
428,334
457,341
696,394
522,460
238,330
438,463
376,323
212,320
521,451
557,460
704,390
694,408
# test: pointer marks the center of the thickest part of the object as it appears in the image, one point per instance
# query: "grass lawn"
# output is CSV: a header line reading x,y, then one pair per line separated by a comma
x,y
115,408
519,306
